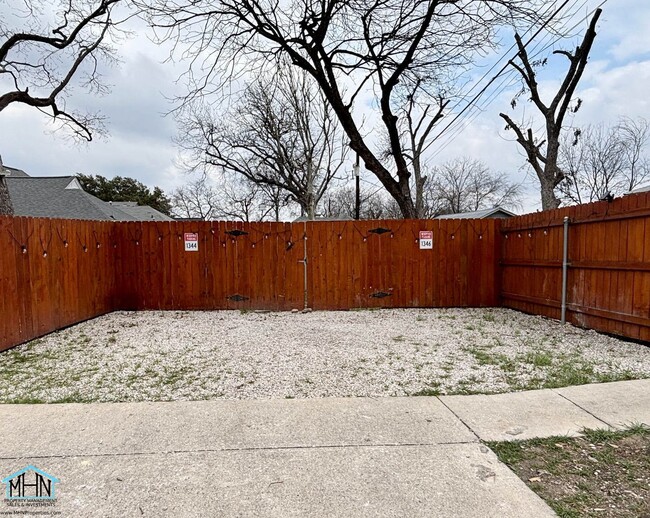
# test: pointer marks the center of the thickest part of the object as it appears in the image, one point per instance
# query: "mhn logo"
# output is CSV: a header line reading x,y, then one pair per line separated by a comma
x,y
30,483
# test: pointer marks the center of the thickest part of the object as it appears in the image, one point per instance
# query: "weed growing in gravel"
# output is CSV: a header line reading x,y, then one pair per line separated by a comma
x,y
539,358
488,316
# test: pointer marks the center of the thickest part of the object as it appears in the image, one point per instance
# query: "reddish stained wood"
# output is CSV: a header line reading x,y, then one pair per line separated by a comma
x,y
144,266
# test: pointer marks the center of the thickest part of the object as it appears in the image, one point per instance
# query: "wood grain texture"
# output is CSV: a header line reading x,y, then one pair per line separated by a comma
x,y
608,287
55,273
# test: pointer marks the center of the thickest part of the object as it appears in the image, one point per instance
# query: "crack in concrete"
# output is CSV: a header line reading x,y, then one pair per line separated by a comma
x,y
585,410
247,449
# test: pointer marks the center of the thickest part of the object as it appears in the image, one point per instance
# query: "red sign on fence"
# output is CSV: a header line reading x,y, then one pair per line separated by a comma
x,y
426,239
191,242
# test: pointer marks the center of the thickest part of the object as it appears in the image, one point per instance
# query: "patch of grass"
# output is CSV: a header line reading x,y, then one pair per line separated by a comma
x,y
75,397
488,316
605,473
539,358
483,357
429,391
26,400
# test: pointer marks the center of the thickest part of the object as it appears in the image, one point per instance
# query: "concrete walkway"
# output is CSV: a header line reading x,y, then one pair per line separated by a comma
x,y
418,456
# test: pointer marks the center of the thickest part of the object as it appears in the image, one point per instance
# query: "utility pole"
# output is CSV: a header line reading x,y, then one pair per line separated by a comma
x,y
357,205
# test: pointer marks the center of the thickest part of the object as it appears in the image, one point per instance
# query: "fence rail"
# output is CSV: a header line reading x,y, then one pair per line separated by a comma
x,y
608,284
54,273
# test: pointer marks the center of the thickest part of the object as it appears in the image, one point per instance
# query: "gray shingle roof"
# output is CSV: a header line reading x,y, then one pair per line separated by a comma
x,y
141,212
494,212
15,173
63,197
52,197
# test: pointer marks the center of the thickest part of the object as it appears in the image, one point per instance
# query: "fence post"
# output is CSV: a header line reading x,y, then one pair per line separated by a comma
x,y
304,262
565,266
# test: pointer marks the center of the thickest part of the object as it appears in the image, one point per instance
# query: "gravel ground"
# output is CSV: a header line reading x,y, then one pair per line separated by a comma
x,y
147,356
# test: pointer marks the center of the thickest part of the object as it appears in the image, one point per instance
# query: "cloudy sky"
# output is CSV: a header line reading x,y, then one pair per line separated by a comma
x,y
140,141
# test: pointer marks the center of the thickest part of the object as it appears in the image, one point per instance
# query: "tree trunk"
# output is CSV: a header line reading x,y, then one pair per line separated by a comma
x,y
549,200
6,207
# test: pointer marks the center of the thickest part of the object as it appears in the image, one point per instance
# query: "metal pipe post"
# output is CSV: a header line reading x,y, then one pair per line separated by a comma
x,y
565,267
304,262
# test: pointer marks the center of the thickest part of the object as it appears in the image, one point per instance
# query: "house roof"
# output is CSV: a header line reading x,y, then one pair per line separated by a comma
x,y
58,197
63,197
643,188
13,172
494,212
141,212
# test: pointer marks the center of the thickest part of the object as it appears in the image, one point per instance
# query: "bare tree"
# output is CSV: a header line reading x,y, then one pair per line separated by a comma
x,y
196,199
51,49
543,155
634,135
281,135
341,203
235,198
348,47
48,48
466,185
602,161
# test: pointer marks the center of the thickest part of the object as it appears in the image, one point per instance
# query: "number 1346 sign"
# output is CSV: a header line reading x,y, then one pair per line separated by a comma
x,y
191,242
426,239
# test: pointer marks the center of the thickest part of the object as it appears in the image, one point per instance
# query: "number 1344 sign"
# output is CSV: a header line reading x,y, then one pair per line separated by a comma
x,y
191,242
426,239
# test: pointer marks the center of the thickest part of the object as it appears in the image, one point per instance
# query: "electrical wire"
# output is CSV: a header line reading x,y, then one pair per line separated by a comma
x,y
472,106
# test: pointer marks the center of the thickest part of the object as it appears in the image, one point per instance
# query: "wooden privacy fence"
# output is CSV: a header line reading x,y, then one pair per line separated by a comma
x,y
57,272
608,271
54,273
322,265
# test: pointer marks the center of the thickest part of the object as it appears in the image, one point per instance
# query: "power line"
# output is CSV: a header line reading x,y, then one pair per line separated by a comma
x,y
471,105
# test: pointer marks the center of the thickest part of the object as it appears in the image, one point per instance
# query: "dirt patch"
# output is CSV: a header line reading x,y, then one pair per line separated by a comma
x,y
604,474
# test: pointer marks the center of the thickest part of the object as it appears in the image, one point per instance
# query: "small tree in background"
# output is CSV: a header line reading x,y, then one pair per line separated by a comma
x,y
125,189
600,161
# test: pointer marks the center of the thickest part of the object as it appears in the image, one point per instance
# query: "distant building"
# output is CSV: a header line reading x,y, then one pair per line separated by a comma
x,y
638,190
494,212
63,197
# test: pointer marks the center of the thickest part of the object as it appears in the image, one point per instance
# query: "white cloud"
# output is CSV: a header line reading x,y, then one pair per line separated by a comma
x,y
140,145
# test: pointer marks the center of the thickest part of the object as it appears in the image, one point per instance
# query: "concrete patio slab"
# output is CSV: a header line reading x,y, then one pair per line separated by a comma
x,y
36,430
619,404
520,415
440,480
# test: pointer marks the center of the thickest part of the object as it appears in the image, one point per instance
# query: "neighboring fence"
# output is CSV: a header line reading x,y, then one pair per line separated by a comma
x,y
608,284
54,273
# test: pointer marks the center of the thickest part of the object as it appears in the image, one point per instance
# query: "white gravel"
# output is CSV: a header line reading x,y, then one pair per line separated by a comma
x,y
146,356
